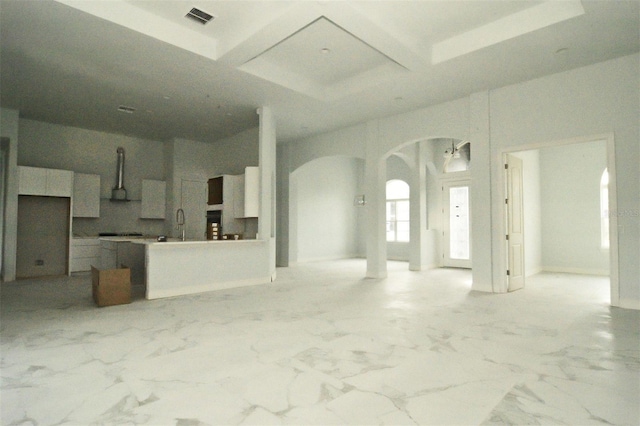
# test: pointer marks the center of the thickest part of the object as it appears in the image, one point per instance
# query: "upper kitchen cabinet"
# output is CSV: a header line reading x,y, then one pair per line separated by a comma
x,y
46,182
215,191
237,194
86,195
247,202
154,199
251,191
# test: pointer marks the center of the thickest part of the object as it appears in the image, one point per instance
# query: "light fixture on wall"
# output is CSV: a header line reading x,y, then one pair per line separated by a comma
x,y
454,161
359,200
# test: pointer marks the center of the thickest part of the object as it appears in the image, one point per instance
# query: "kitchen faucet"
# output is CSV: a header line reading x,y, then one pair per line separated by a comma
x,y
180,222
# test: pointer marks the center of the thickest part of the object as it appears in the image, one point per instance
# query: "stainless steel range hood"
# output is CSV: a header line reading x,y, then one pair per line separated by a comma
x,y
119,193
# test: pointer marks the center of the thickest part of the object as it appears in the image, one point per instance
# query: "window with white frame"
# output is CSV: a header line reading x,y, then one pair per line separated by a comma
x,y
397,211
604,210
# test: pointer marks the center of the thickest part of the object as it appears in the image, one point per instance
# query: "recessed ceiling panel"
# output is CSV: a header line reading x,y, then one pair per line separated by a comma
x,y
321,57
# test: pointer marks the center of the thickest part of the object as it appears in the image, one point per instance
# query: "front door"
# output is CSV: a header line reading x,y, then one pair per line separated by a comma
x,y
515,224
457,224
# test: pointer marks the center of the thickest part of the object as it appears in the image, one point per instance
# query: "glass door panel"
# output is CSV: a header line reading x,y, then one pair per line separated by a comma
x,y
456,247
459,236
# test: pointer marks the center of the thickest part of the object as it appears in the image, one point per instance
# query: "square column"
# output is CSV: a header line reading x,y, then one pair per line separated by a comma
x,y
267,159
375,175
418,212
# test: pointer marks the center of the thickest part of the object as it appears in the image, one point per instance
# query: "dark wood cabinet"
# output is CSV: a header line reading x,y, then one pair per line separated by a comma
x,y
215,191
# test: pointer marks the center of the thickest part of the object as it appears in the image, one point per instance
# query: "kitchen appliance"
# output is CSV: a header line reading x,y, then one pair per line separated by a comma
x,y
214,225
213,231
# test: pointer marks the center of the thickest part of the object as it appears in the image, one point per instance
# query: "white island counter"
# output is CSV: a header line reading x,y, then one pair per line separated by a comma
x,y
176,268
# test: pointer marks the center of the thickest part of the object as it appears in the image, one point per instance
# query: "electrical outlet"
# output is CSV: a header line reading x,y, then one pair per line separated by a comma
x,y
39,262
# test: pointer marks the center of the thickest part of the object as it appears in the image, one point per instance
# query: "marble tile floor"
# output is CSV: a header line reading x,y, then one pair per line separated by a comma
x,y
322,346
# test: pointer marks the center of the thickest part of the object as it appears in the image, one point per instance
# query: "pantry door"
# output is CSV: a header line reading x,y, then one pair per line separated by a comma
x,y
194,204
457,224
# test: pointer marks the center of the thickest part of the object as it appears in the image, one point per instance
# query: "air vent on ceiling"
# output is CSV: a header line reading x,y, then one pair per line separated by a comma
x,y
127,109
199,16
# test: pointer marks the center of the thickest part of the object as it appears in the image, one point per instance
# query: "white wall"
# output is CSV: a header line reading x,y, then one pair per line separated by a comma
x,y
88,151
532,211
583,103
327,224
593,100
233,154
570,189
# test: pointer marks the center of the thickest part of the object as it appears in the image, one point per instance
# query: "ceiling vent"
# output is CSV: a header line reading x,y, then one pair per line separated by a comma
x,y
127,109
199,16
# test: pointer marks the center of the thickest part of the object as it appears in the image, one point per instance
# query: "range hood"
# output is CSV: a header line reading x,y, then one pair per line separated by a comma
x,y
118,193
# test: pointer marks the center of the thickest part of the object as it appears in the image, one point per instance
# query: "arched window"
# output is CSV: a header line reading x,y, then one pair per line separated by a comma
x,y
604,210
397,211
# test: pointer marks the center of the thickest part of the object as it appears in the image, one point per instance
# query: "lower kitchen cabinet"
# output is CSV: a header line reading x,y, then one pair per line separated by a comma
x,y
123,253
84,253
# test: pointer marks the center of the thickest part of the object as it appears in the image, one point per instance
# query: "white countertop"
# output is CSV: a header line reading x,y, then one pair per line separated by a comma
x,y
177,241
170,241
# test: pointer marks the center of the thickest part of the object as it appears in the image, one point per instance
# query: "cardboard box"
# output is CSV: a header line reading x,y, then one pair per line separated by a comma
x,y
111,286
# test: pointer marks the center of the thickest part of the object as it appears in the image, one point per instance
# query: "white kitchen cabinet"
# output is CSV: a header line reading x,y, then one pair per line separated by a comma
x,y
59,183
84,253
153,199
247,194
32,180
86,195
251,191
46,182
238,197
108,254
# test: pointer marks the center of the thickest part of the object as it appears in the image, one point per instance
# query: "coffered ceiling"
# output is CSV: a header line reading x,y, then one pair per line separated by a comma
x,y
320,65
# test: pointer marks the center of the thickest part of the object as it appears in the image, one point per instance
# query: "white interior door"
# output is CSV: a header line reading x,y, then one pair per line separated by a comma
x,y
515,224
457,224
194,204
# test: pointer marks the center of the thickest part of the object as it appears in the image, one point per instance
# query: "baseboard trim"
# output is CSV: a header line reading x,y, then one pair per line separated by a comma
x,y
629,304
579,271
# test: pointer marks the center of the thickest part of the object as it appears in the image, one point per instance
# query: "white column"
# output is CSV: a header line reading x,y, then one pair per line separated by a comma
x,y
375,208
282,206
418,212
267,159
9,125
481,225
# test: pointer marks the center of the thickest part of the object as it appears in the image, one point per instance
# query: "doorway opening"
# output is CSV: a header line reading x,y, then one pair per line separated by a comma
x,y
560,213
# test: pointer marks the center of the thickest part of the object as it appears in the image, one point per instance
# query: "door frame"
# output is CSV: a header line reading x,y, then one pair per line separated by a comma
x,y
500,219
454,179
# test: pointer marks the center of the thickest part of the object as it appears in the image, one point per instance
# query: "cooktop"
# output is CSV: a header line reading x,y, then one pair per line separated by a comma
x,y
119,234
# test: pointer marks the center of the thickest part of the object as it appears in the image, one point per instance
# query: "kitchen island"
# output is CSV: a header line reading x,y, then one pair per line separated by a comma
x,y
175,268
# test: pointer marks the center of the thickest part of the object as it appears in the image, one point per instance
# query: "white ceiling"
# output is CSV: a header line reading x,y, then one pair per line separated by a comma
x,y
74,62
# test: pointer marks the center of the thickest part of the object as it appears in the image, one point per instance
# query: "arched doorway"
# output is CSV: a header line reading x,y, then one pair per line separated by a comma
x,y
325,218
